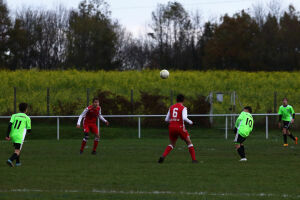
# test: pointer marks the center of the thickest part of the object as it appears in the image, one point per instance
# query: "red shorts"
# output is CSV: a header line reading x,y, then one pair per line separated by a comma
x,y
175,131
90,128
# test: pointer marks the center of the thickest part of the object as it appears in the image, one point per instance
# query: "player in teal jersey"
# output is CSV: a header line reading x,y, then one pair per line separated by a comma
x,y
243,127
19,125
287,115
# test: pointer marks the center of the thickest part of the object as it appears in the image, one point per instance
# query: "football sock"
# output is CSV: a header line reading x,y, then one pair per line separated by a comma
x,y
83,144
241,151
284,138
168,150
13,157
192,151
96,141
291,136
18,159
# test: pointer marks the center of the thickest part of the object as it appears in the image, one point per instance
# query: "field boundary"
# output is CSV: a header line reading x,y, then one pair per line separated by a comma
x,y
137,192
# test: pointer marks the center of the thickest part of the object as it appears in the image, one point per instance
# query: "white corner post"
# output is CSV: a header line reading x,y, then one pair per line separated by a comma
x,y
57,128
139,127
267,127
226,127
98,124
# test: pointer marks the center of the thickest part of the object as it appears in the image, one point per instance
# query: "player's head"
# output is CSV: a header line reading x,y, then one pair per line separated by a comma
x,y
285,101
180,98
23,107
248,109
95,102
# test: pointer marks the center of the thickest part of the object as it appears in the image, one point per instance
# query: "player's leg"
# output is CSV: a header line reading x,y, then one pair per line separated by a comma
x,y
239,146
15,155
95,130
18,161
291,135
86,131
186,137
284,133
173,136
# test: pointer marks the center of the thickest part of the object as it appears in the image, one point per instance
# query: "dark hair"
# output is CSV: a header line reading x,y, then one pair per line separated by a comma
x,y
285,98
95,99
23,107
180,98
248,108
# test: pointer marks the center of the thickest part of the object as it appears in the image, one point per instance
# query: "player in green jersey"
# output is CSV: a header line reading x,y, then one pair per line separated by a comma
x,y
243,127
287,115
19,125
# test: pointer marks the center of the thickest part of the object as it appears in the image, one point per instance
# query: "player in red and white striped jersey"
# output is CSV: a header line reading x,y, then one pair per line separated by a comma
x,y
176,117
89,116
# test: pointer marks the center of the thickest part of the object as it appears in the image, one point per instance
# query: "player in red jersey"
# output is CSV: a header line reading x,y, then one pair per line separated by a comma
x,y
89,116
176,117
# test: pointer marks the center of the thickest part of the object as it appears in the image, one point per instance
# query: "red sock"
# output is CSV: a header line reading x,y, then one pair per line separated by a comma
x,y
168,150
96,141
83,144
192,151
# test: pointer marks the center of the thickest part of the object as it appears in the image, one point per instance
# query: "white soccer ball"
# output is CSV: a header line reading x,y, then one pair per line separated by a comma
x,y
164,73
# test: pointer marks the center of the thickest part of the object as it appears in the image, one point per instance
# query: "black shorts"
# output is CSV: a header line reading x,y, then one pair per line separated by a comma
x,y
239,139
287,124
17,146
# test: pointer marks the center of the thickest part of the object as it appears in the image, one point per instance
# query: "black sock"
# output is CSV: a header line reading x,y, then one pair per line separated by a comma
x,y
241,151
13,157
18,159
291,136
284,138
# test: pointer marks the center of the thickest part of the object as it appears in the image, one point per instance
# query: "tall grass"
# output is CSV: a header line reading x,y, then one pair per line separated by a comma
x,y
69,87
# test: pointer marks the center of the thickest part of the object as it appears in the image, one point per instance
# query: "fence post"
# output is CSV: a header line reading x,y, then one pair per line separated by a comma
x,y
131,101
139,127
57,128
87,96
15,99
48,101
226,127
275,102
171,97
98,123
267,127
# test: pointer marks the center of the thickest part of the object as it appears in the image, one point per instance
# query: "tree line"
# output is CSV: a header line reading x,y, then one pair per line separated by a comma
x,y
88,38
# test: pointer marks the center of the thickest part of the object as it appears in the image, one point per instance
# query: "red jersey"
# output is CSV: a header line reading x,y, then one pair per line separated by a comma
x,y
90,115
176,115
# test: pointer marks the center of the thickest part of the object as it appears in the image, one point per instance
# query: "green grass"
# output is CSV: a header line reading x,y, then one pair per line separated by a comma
x,y
127,164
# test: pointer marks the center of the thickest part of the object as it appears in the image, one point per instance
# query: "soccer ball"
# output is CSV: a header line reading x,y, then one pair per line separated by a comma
x,y
164,74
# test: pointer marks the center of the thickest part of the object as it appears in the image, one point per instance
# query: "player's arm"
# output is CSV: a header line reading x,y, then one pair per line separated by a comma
x,y
293,114
81,117
184,116
8,130
28,125
167,119
279,117
12,119
102,118
237,123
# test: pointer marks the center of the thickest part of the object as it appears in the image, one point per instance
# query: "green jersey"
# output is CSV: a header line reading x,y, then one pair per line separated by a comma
x,y
244,124
286,113
20,124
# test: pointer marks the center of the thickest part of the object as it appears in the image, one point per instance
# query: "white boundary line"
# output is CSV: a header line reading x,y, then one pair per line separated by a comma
x,y
286,196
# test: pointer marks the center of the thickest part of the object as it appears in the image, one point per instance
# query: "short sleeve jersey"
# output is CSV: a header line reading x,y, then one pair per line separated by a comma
x,y
20,123
286,112
244,124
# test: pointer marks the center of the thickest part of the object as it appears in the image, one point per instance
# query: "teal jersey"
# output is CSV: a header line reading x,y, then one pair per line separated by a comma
x,y
20,124
286,113
244,124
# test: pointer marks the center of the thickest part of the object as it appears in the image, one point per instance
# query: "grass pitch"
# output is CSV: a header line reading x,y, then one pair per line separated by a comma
x,y
127,168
